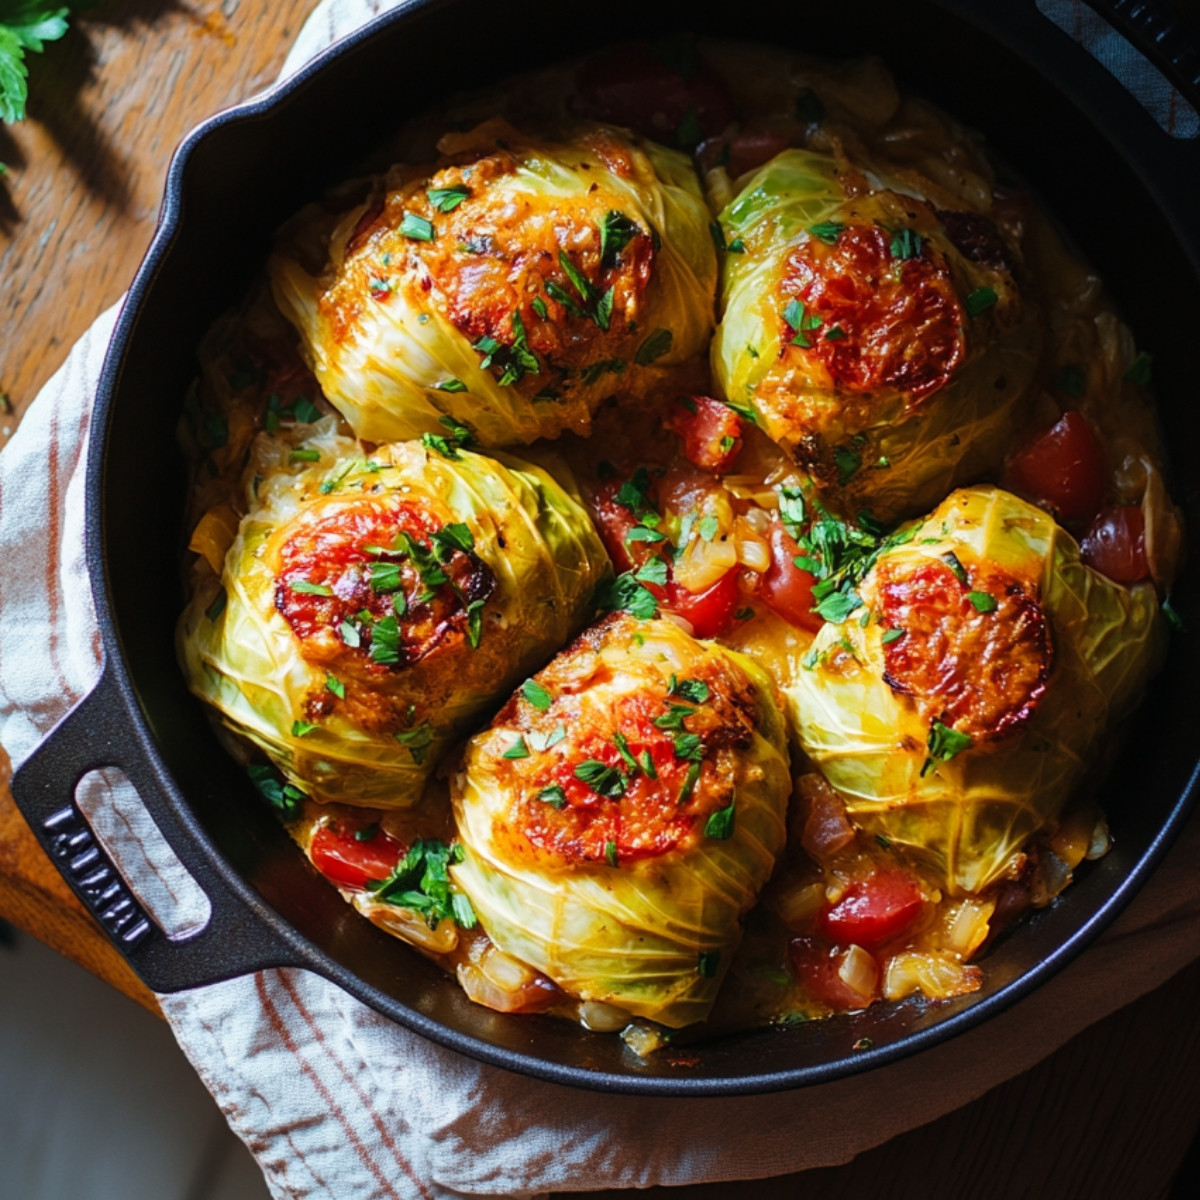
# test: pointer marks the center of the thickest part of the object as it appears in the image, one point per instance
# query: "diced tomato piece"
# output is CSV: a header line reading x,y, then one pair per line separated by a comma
x,y
1115,544
339,855
614,522
750,147
1063,470
787,588
873,911
711,612
679,102
711,432
816,965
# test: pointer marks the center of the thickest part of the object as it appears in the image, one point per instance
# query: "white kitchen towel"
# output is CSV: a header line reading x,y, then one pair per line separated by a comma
x,y
335,1100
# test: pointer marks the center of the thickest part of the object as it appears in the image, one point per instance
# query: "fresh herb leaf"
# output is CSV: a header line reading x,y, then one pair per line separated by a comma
x,y
653,570
848,463
906,243
689,783
455,536
980,300
517,750
416,228
654,347
385,577
421,882
694,690
610,854
447,199
827,231
302,728
451,385
444,446
892,635
553,796
957,569
838,606
616,232
539,306
475,623
310,589
944,743
707,963
417,741
462,911
298,456
622,744
217,607
350,635
385,641
626,594
984,602
367,833
536,695
834,333
335,686
646,762
720,824
283,797
602,779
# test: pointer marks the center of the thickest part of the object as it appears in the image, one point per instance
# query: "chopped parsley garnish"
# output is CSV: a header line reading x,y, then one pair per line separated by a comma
x,y
602,779
653,570
302,728
827,231
416,228
367,833
622,744
654,347
536,695
385,641
560,294
944,743
727,443
801,322
834,333
708,528
487,346
634,494
610,853
1172,615
688,747
958,570
743,410
848,462
217,607
694,690
553,796
420,882
791,509
451,385
459,433
836,607
906,243
892,635
447,199
299,456
616,232
646,762
644,533
455,536
283,797
625,594
1141,369
311,589
475,623
674,717
350,634
984,602
980,300
707,962
417,741
539,306
607,366
720,824
335,686
689,783
579,282
517,750
385,577
444,446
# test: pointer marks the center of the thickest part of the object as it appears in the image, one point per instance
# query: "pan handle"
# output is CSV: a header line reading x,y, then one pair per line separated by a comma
x,y
243,934
1156,32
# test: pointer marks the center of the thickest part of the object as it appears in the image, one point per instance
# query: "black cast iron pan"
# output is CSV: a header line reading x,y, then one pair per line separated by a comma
x,y
1129,193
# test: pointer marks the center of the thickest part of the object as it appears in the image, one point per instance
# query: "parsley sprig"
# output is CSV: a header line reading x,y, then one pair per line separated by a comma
x,y
420,882
25,25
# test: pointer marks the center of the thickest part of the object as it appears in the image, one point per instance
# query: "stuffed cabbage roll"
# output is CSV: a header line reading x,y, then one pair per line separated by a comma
x,y
368,608
969,681
884,342
514,286
621,814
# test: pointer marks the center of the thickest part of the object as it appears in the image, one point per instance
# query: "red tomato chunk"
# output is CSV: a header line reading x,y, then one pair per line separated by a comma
x,y
711,432
1063,470
1115,544
339,855
873,911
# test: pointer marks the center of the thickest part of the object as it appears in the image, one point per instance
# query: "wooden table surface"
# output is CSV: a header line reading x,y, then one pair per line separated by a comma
x,y
1110,1114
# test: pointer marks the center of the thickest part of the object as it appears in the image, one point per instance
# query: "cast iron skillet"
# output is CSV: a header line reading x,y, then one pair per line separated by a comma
x,y
1127,191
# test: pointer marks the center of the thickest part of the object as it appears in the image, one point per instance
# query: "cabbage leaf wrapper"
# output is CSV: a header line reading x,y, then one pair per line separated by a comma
x,y
956,706
883,342
622,813
370,607
512,287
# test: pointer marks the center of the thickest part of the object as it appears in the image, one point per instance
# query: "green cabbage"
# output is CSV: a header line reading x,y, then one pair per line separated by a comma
x,y
654,935
967,816
381,341
883,451
240,654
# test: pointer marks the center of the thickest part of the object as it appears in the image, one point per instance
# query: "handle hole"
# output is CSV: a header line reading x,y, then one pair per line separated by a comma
x,y
148,865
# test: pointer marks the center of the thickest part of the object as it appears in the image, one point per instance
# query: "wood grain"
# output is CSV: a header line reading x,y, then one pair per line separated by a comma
x,y
1109,1115
107,106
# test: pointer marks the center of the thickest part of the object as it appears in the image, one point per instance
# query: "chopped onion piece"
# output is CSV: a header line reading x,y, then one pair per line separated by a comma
x,y
937,976
859,972
754,554
603,1018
